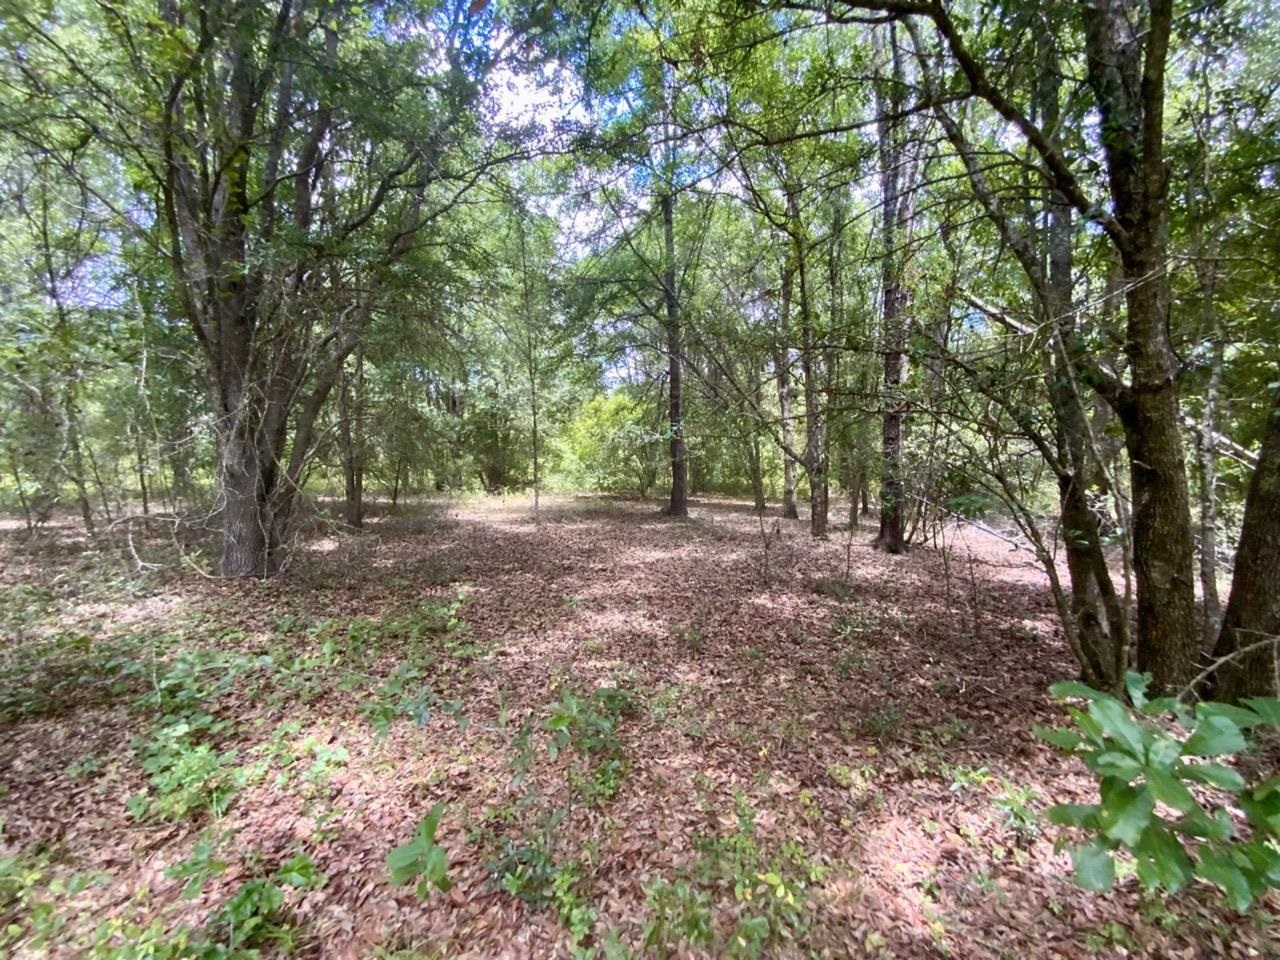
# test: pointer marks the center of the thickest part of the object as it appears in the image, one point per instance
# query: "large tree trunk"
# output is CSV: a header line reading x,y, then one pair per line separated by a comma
x,y
1252,619
245,521
1163,547
895,217
679,504
1127,46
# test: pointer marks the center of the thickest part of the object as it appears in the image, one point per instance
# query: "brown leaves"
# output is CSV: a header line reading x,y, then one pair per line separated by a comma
x,y
844,716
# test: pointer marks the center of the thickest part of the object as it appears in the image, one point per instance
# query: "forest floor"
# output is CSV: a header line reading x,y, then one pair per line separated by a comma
x,y
645,744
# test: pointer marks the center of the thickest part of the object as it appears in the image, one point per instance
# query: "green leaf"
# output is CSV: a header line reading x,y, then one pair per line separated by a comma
x,y
1169,791
1095,869
1214,774
1072,814
1267,709
1115,721
402,862
431,822
1057,737
1214,736
1196,823
1218,869
1073,688
1242,718
1125,812
1135,684
1162,863
1112,763
1263,811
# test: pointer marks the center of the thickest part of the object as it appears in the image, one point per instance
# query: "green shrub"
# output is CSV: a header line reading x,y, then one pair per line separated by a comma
x,y
186,776
1162,800
422,859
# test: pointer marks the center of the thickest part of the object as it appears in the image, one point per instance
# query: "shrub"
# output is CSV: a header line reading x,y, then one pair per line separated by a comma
x,y
1162,800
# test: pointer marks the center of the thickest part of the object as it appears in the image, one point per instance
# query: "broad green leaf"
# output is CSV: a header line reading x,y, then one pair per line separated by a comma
x,y
1135,684
1267,709
1057,737
1116,722
1072,814
1214,774
1169,791
1214,736
1242,718
1074,688
1217,868
1263,812
1112,763
1196,823
1161,860
1095,868
1089,726
1163,753
431,822
1125,812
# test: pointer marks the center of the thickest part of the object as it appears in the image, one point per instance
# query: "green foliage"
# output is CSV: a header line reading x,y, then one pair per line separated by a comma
x,y
614,445
1163,800
399,696
422,859
768,890
587,724
1017,803
197,869
186,776
678,913
572,907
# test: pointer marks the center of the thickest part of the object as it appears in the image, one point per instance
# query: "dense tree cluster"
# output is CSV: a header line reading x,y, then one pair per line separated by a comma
x,y
943,259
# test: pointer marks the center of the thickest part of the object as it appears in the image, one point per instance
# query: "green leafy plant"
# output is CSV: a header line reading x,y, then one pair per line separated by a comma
x,y
401,695
1018,806
588,724
572,907
186,775
198,868
678,912
422,859
1162,799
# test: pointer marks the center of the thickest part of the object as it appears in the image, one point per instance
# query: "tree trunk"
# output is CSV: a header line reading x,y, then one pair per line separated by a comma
x,y
77,470
22,494
245,522
679,504
140,466
1126,46
1252,619
351,417
895,213
815,460
1207,477
782,368
757,474
395,483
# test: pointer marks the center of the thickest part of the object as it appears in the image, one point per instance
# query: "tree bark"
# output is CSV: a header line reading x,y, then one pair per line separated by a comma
x,y
1126,45
351,418
815,459
1252,619
782,369
679,503
895,217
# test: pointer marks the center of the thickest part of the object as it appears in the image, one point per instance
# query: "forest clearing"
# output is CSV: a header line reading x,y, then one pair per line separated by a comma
x,y
854,728
636,478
